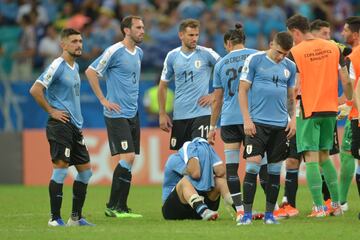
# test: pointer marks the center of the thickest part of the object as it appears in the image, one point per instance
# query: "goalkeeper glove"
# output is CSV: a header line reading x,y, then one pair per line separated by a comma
x,y
344,109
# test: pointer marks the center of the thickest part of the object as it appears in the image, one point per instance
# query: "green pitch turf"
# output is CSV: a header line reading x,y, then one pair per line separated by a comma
x,y
24,212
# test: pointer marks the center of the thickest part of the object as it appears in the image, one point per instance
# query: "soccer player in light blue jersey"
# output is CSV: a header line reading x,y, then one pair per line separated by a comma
x,y
225,82
194,179
190,66
266,96
61,81
120,66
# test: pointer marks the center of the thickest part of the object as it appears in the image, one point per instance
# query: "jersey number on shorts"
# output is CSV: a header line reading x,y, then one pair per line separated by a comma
x,y
204,129
233,76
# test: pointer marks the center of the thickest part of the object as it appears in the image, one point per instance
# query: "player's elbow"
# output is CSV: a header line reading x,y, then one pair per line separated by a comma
x,y
195,174
88,72
219,171
34,91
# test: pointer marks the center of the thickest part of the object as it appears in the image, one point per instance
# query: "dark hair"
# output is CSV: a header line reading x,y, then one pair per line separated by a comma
x,y
298,22
354,23
236,36
284,39
66,32
317,24
191,23
127,22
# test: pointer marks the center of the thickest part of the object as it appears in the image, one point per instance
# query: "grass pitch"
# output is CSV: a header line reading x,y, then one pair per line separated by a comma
x,y
24,212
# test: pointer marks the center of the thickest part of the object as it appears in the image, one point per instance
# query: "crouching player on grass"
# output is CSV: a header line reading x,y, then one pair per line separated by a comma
x,y
193,182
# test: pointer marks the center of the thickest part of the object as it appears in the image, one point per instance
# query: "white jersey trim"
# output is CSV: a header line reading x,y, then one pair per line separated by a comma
x,y
106,57
246,80
185,147
214,54
217,163
130,52
50,72
164,70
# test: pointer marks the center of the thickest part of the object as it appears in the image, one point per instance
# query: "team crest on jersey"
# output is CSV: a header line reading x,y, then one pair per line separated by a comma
x,y
286,73
173,142
197,64
67,152
249,149
124,145
103,62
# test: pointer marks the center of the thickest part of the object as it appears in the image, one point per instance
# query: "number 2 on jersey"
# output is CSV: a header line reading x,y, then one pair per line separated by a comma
x,y
233,76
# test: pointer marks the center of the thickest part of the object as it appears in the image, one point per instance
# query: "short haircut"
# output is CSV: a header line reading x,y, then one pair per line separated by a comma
x,y
127,22
191,23
354,23
236,36
298,22
317,24
284,39
66,32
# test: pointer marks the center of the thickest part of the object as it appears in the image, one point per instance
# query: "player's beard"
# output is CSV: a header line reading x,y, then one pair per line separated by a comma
x,y
137,40
191,46
74,54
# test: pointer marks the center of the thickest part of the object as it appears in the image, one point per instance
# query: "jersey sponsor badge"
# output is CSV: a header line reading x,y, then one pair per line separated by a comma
x,y
173,142
286,73
197,64
67,152
124,145
249,149
245,69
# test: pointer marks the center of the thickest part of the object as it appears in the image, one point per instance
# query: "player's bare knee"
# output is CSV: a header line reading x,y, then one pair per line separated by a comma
x,y
128,157
60,164
292,163
323,155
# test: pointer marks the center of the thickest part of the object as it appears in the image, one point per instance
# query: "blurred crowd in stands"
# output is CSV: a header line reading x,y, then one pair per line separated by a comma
x,y
29,29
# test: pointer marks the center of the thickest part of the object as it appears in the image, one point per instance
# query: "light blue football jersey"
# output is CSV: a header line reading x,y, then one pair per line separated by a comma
x,y
226,76
208,159
121,69
62,82
191,73
176,165
269,85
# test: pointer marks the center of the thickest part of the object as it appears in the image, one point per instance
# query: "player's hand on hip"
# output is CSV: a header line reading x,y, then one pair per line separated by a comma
x,y
291,129
110,106
60,115
211,137
249,128
205,100
165,122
